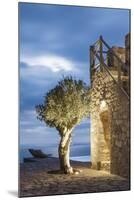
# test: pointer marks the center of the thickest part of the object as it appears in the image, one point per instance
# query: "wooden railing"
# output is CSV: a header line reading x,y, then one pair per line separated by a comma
x,y
99,62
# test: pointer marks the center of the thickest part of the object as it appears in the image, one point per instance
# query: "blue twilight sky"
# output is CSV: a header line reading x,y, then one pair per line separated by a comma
x,y
54,41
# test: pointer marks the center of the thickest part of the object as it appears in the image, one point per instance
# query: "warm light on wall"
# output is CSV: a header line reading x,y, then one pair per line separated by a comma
x,y
103,105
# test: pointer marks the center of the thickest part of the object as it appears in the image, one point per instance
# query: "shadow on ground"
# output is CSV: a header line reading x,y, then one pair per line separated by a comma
x,y
43,178
13,193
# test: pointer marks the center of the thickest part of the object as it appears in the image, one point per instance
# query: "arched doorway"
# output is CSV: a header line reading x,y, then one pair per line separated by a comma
x,y
105,119
100,137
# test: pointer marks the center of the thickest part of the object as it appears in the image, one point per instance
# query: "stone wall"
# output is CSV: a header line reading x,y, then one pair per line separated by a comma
x,y
127,47
112,60
127,58
109,126
120,138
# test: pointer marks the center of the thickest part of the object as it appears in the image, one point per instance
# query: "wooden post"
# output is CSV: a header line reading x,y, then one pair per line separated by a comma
x,y
101,54
92,62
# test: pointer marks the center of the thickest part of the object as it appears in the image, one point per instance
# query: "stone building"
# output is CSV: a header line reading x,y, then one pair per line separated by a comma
x,y
110,115
120,52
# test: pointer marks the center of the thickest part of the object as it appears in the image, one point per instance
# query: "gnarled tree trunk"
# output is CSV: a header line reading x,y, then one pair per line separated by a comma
x,y
64,152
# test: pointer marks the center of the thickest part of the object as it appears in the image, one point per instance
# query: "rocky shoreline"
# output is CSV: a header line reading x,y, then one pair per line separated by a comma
x,y
42,177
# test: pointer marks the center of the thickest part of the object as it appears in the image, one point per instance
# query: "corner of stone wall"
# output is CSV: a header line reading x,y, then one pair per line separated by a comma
x,y
115,159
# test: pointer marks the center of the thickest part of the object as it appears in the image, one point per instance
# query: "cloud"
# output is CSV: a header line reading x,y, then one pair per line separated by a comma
x,y
54,41
68,31
52,62
39,74
51,66
34,132
45,70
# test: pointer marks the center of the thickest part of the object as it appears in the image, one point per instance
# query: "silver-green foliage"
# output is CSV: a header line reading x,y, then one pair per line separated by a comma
x,y
65,105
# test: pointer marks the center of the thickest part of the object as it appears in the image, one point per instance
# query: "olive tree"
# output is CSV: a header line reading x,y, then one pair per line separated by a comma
x,y
63,108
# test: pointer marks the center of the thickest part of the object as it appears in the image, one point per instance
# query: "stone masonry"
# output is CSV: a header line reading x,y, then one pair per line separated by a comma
x,y
112,61
110,125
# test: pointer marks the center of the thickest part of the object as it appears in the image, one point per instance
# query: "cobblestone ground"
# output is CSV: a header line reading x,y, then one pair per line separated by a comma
x,y
42,178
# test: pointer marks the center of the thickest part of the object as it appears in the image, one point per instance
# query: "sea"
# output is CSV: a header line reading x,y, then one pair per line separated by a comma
x,y
78,152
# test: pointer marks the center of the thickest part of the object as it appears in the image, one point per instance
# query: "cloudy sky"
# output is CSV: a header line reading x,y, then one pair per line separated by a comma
x,y
54,41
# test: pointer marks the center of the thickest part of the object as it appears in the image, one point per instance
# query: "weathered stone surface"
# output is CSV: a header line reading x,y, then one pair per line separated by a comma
x,y
110,135
112,60
43,178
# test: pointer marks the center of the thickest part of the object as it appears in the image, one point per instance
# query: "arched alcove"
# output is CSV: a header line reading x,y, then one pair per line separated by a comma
x,y
100,137
105,119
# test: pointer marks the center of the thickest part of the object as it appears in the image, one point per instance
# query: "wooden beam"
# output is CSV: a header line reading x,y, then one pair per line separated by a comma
x,y
101,54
